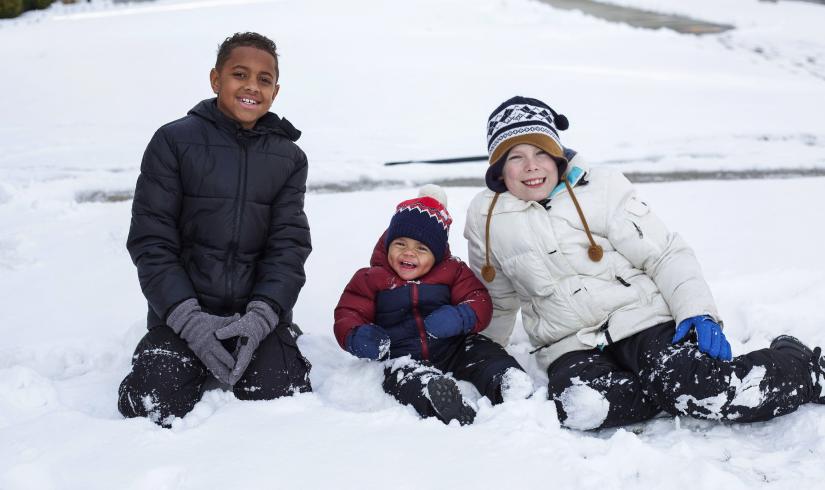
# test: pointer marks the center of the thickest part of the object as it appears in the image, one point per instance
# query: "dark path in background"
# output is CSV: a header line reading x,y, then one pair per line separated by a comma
x,y
613,13
647,19
636,177
640,18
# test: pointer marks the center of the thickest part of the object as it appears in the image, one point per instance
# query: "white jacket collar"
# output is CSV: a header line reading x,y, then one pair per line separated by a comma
x,y
576,169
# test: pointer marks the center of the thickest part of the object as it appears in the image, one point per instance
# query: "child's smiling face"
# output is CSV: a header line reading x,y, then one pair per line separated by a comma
x,y
530,173
409,258
246,84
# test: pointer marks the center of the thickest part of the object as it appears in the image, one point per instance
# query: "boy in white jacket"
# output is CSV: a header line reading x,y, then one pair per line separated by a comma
x,y
614,303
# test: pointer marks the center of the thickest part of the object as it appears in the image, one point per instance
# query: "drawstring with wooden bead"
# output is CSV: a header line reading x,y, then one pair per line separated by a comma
x,y
488,272
595,251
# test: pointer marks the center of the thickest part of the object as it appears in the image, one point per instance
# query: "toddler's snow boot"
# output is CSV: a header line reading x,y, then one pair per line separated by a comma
x,y
794,347
447,401
515,385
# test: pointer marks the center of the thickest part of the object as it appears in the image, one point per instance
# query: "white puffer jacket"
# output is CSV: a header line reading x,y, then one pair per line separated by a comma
x,y
568,302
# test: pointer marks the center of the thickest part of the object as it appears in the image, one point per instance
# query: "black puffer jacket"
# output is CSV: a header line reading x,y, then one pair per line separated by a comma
x,y
219,215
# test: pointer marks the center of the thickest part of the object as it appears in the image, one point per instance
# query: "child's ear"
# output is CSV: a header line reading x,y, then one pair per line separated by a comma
x,y
275,92
214,80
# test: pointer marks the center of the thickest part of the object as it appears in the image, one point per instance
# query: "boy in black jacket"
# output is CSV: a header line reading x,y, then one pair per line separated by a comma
x,y
219,238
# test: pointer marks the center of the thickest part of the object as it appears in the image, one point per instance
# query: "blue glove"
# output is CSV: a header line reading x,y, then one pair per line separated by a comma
x,y
709,336
450,320
368,342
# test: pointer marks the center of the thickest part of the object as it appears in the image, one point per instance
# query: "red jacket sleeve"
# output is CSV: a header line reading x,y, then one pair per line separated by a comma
x,y
356,306
468,289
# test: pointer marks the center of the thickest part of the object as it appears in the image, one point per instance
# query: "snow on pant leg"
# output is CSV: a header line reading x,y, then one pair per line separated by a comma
x,y
752,387
406,380
591,391
165,380
277,368
482,362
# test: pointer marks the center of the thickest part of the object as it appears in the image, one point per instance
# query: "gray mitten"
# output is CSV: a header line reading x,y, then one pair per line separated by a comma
x,y
260,320
198,330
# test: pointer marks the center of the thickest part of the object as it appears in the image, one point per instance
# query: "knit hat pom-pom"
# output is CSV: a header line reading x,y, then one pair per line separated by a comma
x,y
561,122
434,191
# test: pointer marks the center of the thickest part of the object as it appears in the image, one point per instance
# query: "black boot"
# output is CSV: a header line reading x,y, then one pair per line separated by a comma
x,y
447,402
794,347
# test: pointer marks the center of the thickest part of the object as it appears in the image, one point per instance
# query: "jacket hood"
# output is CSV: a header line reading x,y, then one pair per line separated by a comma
x,y
576,171
495,182
270,123
379,255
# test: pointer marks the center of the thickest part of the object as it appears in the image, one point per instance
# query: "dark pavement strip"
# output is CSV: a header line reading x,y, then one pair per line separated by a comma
x,y
636,177
640,18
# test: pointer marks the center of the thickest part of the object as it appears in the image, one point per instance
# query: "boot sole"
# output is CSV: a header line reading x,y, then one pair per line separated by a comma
x,y
791,342
448,403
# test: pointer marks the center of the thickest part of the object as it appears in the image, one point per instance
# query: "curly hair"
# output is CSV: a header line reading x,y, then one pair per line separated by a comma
x,y
250,39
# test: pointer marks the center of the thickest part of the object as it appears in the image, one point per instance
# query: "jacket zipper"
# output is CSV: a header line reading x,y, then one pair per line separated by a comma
x,y
419,323
549,263
240,197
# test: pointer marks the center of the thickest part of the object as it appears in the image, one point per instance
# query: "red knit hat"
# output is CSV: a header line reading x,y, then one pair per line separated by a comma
x,y
424,219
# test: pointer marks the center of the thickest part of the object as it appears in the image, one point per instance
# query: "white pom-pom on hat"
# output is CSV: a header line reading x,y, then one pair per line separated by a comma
x,y
435,191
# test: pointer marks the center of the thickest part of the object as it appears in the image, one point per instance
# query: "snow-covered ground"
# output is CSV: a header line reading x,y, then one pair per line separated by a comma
x,y
85,86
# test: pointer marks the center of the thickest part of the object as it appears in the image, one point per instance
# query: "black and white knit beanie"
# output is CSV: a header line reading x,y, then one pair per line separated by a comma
x,y
522,120
425,219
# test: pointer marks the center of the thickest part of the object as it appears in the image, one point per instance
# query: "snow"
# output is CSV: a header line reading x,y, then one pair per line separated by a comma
x,y
516,385
369,81
585,407
748,393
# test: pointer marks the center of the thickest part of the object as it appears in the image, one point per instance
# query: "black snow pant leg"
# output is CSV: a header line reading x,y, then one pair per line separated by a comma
x,y
752,387
591,390
277,368
165,380
406,381
482,362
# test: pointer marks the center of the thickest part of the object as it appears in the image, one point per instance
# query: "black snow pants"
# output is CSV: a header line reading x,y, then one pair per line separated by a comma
x,y
476,359
634,379
167,379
